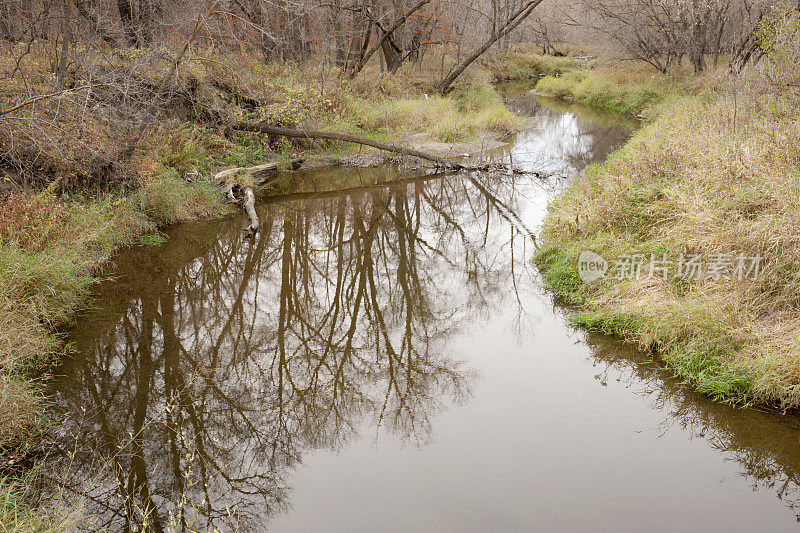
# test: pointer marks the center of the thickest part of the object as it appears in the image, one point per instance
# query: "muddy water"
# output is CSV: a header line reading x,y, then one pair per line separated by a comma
x,y
384,357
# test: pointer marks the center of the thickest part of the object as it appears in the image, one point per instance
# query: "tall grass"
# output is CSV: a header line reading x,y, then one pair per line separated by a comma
x,y
459,117
18,515
708,176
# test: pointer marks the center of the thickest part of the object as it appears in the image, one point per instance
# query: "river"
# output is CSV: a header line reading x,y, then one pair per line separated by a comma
x,y
383,356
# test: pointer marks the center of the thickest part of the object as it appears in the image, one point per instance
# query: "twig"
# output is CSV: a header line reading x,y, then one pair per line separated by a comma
x,y
35,99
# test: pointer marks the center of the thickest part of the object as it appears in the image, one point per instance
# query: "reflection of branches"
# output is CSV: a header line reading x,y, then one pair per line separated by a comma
x,y
564,141
225,360
764,444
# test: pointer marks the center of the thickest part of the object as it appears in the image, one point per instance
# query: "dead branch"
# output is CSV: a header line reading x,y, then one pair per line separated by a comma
x,y
256,175
56,94
442,162
131,147
249,204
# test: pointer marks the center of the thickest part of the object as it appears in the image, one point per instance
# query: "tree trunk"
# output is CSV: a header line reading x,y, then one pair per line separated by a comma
x,y
387,34
718,43
515,20
312,134
104,29
5,29
61,67
145,36
392,54
126,16
440,161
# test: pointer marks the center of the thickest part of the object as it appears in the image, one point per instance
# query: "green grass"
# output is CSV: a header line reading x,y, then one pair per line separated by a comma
x,y
559,271
153,239
19,515
524,63
626,89
168,200
15,513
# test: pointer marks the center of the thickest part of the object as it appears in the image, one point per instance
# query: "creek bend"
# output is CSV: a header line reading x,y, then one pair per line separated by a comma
x,y
383,356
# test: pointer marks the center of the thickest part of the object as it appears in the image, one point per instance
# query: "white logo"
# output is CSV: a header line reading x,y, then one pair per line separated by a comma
x,y
591,266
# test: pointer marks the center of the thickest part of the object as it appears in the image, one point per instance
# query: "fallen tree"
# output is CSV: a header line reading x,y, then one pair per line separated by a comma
x,y
441,162
253,176
238,183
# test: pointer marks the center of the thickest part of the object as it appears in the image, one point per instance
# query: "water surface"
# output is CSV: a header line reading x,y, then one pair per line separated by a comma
x,y
384,357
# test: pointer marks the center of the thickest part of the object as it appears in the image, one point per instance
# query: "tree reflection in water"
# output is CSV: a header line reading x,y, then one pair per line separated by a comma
x,y
214,362
762,442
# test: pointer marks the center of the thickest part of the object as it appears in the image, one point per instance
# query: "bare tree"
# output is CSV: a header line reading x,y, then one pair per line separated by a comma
x,y
500,28
663,32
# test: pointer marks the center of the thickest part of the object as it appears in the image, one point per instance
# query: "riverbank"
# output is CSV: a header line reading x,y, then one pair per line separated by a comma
x,y
714,177
628,88
69,200
67,204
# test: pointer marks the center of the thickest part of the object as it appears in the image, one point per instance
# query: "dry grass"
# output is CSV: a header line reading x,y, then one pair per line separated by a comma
x,y
526,62
459,117
15,402
716,173
74,139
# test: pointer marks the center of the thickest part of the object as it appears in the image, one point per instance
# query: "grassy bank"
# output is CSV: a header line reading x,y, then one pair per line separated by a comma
x,y
630,88
68,200
525,62
715,173
18,512
51,249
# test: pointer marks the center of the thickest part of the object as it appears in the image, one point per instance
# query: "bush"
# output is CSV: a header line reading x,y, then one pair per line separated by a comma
x,y
779,38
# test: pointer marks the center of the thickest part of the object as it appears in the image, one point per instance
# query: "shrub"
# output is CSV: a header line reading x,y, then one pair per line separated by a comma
x,y
779,38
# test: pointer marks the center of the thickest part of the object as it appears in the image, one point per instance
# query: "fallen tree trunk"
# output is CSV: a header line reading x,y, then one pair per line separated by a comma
x,y
237,184
238,192
256,175
401,150
249,204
